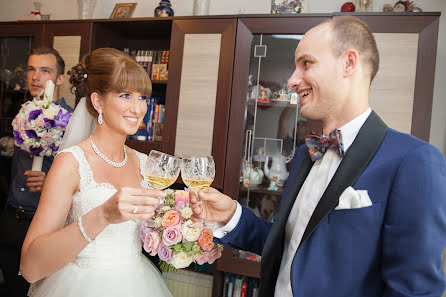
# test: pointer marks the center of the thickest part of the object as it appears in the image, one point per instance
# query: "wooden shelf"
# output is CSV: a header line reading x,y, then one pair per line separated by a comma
x,y
273,104
228,263
261,189
144,146
160,82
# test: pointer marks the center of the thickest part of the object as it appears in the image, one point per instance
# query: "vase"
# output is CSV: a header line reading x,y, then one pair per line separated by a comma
x,y
164,9
86,8
365,5
201,7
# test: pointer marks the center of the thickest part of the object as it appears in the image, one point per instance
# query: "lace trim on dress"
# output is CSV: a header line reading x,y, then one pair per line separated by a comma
x,y
85,172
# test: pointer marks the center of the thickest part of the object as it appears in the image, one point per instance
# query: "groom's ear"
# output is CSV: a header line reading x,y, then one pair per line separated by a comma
x,y
96,101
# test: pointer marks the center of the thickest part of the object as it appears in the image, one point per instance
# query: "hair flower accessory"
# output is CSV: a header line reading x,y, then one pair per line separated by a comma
x,y
177,240
40,124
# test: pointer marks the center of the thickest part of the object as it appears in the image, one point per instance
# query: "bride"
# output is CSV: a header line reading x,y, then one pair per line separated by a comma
x,y
83,240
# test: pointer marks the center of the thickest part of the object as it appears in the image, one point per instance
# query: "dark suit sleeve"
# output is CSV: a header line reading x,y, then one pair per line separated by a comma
x,y
414,230
249,234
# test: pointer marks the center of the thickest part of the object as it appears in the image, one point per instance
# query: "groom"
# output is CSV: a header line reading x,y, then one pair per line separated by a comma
x,y
364,211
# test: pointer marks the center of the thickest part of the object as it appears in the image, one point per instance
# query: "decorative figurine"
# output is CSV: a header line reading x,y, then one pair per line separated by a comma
x,y
348,7
387,8
164,9
400,6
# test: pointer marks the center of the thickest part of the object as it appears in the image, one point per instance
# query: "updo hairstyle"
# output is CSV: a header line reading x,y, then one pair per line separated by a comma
x,y
107,70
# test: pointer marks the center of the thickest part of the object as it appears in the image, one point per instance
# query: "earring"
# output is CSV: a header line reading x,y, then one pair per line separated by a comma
x,y
100,121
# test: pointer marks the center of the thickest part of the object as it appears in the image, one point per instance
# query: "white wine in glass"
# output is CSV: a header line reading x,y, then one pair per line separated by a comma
x,y
198,174
161,170
197,184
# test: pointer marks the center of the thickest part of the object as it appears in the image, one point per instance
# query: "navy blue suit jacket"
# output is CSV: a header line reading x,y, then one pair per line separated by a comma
x,y
392,248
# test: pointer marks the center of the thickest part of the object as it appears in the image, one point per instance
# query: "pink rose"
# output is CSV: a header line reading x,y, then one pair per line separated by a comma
x,y
182,196
172,235
213,255
40,122
47,137
151,243
200,259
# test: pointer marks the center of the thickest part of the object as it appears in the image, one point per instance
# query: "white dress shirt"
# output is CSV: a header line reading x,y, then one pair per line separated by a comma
x,y
307,199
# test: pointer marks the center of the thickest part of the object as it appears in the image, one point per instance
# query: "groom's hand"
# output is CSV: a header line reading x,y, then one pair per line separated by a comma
x,y
216,206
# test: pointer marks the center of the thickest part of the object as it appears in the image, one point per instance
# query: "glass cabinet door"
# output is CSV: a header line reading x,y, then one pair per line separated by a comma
x,y
13,67
273,127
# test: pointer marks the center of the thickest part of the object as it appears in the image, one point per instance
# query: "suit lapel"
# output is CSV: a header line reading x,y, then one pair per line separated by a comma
x,y
353,164
274,245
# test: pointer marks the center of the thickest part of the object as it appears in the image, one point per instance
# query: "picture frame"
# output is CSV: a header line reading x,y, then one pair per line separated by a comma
x,y
123,10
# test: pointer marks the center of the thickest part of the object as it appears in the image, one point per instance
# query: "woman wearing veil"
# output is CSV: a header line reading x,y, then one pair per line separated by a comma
x,y
83,240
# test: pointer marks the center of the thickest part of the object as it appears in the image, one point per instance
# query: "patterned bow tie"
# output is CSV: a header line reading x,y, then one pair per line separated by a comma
x,y
318,145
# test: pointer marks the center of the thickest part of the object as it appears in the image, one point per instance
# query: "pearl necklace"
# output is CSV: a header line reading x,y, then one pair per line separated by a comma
x,y
114,164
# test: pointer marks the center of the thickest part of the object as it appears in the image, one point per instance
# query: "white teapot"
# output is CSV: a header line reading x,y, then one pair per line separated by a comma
x,y
254,174
278,170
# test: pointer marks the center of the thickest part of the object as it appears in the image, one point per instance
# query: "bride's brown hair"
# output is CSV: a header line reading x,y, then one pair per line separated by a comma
x,y
107,70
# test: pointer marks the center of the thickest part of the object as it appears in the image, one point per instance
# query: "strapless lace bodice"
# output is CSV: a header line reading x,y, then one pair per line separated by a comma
x,y
117,241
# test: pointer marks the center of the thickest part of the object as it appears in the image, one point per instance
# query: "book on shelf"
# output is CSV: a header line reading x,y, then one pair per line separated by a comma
x,y
151,128
244,287
239,286
230,289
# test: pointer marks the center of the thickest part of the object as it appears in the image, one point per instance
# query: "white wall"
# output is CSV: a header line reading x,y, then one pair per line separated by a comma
x,y
67,9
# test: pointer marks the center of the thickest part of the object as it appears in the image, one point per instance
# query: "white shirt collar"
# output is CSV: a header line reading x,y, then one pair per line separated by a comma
x,y
351,129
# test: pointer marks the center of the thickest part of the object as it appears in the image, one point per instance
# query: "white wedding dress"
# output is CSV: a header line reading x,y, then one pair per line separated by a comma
x,y
113,265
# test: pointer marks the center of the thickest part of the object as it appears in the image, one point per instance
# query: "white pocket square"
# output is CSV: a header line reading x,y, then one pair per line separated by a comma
x,y
352,198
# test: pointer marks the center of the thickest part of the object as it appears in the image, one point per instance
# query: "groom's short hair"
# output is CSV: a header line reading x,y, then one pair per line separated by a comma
x,y
351,32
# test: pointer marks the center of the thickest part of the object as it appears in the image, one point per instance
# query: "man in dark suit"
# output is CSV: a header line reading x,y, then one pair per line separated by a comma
x,y
364,209
24,191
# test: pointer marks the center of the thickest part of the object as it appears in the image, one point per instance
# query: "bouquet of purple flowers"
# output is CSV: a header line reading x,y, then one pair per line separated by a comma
x,y
40,124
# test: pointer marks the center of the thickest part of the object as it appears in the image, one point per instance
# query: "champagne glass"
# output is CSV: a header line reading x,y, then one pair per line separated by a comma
x,y
198,174
161,169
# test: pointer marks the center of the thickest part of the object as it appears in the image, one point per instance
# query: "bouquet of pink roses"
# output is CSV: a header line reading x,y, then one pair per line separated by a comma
x,y
40,124
177,240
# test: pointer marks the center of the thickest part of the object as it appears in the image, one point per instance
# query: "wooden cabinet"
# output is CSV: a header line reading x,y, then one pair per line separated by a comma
x,y
198,92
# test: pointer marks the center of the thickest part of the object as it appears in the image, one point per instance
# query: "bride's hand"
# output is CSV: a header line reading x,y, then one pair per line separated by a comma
x,y
131,204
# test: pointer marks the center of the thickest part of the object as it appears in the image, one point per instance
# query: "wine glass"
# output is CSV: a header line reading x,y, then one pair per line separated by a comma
x,y
161,169
198,174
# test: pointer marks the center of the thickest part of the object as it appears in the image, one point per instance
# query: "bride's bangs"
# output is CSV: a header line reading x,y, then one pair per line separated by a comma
x,y
131,77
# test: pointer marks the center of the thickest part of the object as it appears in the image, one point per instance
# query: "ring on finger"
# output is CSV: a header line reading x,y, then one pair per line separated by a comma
x,y
135,209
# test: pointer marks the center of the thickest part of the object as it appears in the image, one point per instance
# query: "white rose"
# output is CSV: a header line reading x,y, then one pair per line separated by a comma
x,y
165,208
191,231
186,212
181,260
50,113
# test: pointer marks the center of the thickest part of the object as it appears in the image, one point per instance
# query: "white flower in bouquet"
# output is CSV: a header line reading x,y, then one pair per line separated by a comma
x,y
191,231
181,260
